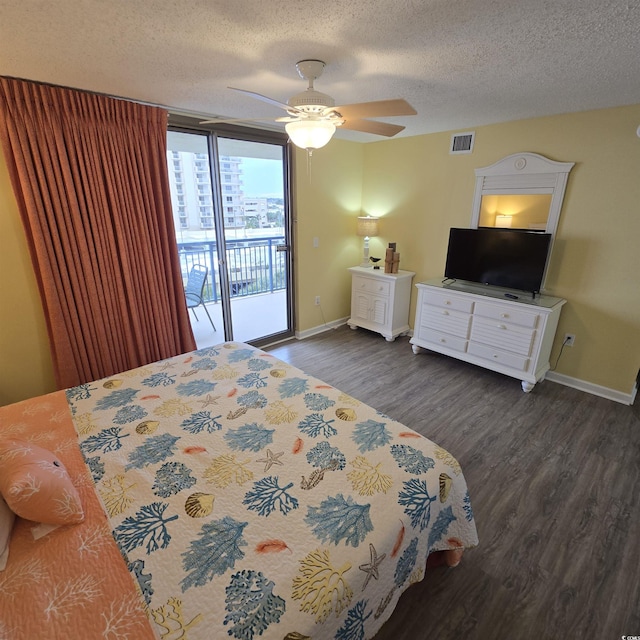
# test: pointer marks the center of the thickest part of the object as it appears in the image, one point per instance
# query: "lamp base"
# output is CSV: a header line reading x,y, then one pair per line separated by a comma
x,y
365,264
365,254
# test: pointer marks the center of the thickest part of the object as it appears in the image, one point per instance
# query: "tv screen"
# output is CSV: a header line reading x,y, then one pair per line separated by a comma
x,y
514,259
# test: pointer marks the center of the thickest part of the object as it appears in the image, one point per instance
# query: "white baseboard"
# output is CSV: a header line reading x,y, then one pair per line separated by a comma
x,y
595,389
307,333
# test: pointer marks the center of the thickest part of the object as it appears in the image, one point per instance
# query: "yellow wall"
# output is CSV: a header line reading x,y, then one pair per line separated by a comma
x,y
595,261
25,363
327,199
421,191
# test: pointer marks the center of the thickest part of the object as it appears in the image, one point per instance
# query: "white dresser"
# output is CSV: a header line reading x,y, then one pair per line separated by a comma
x,y
513,337
380,301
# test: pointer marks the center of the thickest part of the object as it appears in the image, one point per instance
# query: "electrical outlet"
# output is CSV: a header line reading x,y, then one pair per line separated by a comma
x,y
569,339
317,300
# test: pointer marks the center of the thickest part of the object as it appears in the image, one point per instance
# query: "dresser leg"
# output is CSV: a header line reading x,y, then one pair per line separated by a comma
x,y
416,349
527,386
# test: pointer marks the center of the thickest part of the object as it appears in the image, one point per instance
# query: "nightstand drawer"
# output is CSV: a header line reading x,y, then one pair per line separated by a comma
x,y
498,356
507,314
446,320
440,299
505,336
370,285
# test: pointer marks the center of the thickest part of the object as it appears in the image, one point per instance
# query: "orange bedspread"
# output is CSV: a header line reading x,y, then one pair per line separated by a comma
x,y
84,589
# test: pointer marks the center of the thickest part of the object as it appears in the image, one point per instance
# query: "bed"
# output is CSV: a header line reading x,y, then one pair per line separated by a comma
x,y
221,493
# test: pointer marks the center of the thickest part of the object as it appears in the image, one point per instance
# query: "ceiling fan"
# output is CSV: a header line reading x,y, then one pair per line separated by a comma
x,y
312,116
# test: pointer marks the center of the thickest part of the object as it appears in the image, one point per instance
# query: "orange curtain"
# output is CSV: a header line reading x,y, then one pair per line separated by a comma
x,y
90,176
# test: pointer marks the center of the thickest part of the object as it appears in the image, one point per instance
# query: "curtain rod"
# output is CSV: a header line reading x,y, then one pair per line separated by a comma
x,y
175,111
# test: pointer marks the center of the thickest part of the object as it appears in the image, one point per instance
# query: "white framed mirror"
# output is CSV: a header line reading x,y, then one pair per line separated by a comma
x,y
521,191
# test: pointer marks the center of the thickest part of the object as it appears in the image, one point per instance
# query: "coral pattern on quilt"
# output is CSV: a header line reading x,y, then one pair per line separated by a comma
x,y
252,500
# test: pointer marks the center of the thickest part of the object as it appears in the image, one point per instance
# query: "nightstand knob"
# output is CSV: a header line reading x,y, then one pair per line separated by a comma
x,y
445,313
442,340
501,326
495,355
447,301
504,315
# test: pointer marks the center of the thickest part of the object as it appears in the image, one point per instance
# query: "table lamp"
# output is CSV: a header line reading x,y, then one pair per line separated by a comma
x,y
367,228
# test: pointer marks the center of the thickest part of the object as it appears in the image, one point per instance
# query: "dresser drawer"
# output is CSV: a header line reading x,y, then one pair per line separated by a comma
x,y
370,285
443,339
440,299
507,314
503,335
511,360
446,320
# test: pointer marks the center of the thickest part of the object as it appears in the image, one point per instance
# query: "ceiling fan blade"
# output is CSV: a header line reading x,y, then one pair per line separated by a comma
x,y
377,109
266,99
371,126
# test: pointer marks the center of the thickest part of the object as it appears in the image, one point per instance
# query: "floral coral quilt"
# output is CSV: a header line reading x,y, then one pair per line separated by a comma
x,y
252,500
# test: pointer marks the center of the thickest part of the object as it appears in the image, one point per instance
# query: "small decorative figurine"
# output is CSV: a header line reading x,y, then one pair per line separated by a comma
x,y
391,259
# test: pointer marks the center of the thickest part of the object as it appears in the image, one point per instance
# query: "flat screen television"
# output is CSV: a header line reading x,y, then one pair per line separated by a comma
x,y
510,258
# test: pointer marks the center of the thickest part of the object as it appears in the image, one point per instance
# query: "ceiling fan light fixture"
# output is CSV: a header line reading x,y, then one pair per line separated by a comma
x,y
310,134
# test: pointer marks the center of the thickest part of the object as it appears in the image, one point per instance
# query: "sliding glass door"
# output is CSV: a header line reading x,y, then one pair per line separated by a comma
x,y
231,211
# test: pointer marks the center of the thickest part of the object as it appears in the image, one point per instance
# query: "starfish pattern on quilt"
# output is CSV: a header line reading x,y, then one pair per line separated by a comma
x,y
371,569
271,459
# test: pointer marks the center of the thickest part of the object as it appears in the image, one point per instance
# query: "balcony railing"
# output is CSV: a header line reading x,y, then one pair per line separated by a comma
x,y
254,264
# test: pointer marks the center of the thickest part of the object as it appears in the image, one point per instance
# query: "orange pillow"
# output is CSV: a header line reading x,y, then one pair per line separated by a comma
x,y
36,486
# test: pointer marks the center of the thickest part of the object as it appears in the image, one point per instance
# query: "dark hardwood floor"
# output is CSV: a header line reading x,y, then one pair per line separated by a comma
x,y
554,478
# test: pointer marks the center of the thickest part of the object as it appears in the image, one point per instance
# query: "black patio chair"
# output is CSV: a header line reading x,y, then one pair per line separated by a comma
x,y
194,291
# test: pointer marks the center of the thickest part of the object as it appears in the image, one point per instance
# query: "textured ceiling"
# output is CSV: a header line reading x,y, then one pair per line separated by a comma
x,y
460,63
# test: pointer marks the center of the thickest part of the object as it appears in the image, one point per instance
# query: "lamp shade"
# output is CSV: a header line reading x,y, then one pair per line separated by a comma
x,y
367,226
503,221
310,134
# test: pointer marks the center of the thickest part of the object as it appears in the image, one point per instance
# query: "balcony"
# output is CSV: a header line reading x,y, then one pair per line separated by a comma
x,y
257,284
253,316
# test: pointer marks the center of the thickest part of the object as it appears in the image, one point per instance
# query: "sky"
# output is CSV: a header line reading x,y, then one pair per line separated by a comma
x,y
262,178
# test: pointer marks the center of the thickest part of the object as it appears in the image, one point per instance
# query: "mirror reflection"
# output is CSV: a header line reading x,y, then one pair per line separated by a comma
x,y
516,211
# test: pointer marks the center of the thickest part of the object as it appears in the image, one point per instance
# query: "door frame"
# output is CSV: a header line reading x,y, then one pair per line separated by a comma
x,y
190,124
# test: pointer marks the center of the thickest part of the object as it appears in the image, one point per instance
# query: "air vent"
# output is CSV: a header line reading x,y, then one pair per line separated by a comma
x,y
462,142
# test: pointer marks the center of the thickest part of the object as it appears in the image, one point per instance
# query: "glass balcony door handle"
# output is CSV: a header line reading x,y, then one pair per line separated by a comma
x,y
282,247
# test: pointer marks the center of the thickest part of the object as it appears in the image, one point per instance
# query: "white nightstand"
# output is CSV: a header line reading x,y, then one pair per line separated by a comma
x,y
380,301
